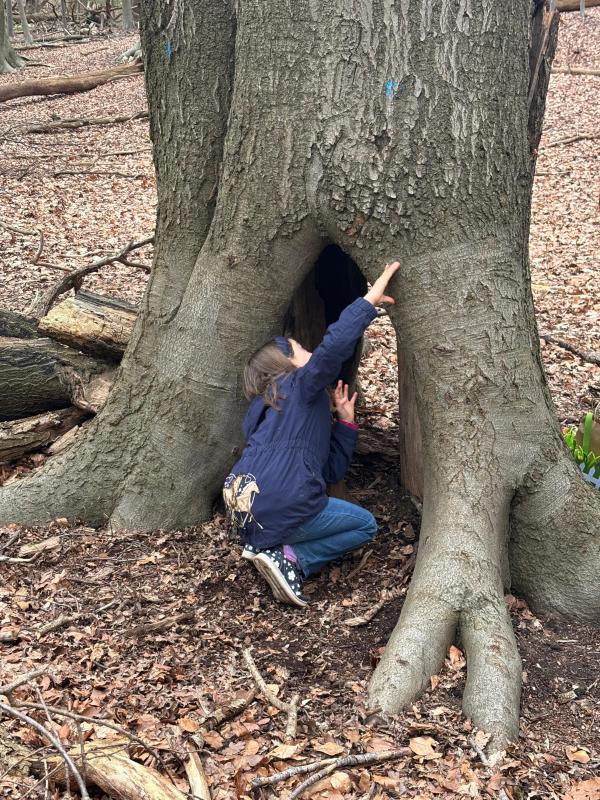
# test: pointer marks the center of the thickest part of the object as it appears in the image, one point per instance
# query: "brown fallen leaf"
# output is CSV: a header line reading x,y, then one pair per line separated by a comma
x,y
424,746
329,748
584,790
283,751
578,754
188,725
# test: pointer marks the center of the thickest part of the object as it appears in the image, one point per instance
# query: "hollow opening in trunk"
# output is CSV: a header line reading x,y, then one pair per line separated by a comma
x,y
333,283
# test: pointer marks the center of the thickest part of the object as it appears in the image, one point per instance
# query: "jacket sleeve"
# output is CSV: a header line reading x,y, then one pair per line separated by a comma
x,y
338,345
341,449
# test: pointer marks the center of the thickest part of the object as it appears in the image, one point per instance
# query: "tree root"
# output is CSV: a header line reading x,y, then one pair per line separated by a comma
x,y
456,588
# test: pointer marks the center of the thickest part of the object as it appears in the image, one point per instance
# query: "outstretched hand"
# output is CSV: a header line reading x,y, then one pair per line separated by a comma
x,y
344,405
376,294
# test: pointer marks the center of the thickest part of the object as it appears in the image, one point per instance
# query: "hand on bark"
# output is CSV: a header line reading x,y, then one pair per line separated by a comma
x,y
376,295
343,404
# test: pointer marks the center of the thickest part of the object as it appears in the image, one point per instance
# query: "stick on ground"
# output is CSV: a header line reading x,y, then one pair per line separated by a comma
x,y
584,355
291,708
12,712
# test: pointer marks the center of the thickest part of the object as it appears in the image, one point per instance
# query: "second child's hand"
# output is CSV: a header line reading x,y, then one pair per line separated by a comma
x,y
376,294
344,405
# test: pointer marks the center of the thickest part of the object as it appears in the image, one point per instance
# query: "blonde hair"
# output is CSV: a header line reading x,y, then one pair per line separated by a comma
x,y
261,372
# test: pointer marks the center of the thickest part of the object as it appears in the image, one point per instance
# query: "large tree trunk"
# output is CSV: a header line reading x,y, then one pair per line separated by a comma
x,y
393,131
9,60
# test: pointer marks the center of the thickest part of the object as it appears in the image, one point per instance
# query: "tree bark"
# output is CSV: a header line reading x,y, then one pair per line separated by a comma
x,y
67,85
92,323
27,37
392,131
40,375
9,60
21,436
128,23
10,25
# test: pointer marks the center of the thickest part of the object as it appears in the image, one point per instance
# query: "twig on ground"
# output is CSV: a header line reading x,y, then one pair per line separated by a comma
x,y
161,624
262,686
67,619
234,709
16,560
72,124
41,306
13,712
575,71
387,597
99,721
349,761
23,232
302,769
98,172
26,677
584,355
366,556
570,140
290,728
291,708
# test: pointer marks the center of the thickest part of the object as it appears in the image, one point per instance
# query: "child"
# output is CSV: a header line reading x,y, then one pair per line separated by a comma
x,y
275,494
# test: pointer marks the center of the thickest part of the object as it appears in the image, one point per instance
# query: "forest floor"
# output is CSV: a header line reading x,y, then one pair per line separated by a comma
x,y
90,191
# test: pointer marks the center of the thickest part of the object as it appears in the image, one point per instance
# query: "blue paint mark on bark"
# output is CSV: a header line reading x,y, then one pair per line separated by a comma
x,y
168,50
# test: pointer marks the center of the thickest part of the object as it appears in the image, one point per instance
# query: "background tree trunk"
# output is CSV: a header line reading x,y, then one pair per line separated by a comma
x,y
128,22
27,37
9,60
10,24
397,133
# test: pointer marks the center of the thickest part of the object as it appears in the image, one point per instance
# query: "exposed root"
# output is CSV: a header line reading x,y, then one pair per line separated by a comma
x,y
493,688
555,540
457,587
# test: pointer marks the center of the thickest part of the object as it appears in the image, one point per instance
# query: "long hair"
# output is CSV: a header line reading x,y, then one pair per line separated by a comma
x,y
261,372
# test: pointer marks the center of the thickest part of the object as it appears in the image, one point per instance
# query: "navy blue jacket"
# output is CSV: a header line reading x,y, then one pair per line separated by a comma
x,y
291,454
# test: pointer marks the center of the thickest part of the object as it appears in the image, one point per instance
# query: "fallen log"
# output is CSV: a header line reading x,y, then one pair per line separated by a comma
x,y
69,84
92,323
80,122
12,323
104,763
574,5
39,375
22,436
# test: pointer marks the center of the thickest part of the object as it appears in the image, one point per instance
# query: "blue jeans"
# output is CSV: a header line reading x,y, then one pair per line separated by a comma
x,y
336,530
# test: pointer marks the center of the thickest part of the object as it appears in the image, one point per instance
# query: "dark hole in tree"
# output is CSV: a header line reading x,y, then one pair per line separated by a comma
x,y
332,284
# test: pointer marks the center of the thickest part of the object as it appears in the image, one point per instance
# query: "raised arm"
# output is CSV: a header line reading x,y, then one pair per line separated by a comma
x,y
341,337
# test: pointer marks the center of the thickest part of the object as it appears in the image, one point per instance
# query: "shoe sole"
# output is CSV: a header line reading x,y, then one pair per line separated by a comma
x,y
272,574
247,555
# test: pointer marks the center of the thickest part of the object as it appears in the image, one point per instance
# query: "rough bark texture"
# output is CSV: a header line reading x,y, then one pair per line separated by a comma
x,y
92,323
393,131
40,375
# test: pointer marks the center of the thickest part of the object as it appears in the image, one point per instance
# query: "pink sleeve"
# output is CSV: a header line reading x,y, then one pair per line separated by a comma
x,y
352,425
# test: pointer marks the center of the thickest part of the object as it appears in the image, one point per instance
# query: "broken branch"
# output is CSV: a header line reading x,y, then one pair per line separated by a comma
x,y
73,124
584,355
42,306
349,761
12,712
69,84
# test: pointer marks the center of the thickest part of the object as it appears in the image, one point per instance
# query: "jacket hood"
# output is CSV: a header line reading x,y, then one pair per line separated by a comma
x,y
254,416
